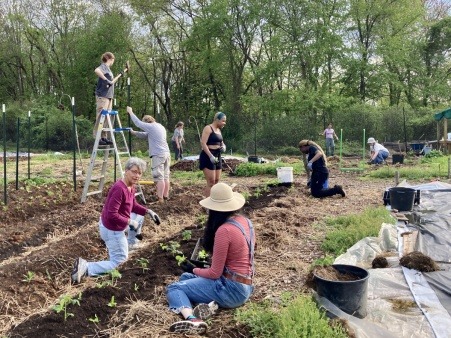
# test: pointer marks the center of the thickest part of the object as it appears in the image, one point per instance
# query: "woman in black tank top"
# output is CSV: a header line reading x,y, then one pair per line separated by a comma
x,y
212,146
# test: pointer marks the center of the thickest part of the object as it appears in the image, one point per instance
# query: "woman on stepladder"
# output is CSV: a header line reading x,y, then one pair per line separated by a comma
x,y
210,161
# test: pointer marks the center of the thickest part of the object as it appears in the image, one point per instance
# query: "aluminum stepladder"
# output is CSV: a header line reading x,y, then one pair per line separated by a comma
x,y
124,151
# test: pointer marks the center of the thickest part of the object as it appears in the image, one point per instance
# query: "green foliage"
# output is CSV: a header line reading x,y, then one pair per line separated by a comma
x,y
94,319
180,259
294,318
186,235
172,247
428,168
64,302
112,302
344,231
29,276
143,263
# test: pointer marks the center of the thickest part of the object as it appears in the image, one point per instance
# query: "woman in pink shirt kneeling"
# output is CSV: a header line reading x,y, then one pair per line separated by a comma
x,y
227,283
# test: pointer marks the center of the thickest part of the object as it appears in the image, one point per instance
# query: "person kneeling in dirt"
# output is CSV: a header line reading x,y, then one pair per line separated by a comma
x,y
378,153
115,219
227,283
317,163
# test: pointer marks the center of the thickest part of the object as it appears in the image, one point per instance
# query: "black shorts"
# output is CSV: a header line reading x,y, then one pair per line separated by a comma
x,y
204,160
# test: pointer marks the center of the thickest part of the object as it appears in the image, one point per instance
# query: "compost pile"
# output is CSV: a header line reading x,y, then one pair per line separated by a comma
x,y
419,261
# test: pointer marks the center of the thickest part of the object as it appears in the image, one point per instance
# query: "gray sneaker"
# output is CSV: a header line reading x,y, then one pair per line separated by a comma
x,y
80,269
190,326
205,311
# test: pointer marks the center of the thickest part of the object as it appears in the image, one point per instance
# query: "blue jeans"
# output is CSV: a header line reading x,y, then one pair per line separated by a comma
x,y
381,157
191,289
330,147
131,238
117,246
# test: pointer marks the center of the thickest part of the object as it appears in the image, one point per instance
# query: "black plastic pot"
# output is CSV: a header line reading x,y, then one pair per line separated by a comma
x,y
254,159
398,158
402,198
349,296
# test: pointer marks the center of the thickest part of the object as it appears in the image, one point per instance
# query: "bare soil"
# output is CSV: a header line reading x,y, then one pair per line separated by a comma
x,y
44,228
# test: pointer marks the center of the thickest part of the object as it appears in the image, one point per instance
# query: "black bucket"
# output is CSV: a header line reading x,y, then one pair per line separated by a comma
x,y
349,296
398,158
402,198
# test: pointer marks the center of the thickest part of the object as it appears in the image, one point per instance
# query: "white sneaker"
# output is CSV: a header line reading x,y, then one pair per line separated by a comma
x,y
193,326
80,269
205,311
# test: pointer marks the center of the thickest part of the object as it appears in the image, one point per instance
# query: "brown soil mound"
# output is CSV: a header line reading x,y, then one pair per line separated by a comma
x,y
418,261
379,262
330,273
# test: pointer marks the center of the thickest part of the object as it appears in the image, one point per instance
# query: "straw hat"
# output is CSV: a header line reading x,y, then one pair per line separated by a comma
x,y
371,140
223,198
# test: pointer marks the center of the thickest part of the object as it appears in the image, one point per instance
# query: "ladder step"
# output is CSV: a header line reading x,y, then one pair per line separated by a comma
x,y
94,192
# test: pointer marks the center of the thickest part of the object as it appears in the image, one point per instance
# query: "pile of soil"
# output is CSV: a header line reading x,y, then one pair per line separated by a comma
x,y
379,262
418,261
332,274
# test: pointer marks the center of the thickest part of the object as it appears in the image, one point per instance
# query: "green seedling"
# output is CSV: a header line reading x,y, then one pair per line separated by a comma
x,y
186,235
203,255
143,263
29,276
136,287
64,302
171,247
94,319
112,302
115,274
180,259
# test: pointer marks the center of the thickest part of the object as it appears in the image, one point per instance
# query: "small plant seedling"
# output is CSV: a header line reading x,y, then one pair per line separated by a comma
x,y
172,247
180,259
143,263
136,287
203,255
186,235
66,300
29,276
94,319
112,302
115,274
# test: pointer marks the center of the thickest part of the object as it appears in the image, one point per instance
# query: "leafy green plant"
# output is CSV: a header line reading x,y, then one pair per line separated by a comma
x,y
202,255
186,235
64,302
180,259
136,287
143,263
112,302
28,277
94,319
115,275
294,317
172,247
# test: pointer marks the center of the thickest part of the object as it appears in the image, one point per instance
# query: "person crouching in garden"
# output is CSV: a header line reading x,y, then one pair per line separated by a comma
x,y
116,219
227,283
317,163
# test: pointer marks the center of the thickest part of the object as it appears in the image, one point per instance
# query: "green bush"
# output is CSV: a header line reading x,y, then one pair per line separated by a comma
x,y
294,318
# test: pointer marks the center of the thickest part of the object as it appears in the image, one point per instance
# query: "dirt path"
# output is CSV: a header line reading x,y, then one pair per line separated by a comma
x,y
45,228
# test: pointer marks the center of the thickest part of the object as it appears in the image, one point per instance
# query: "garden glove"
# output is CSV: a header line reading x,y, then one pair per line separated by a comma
x,y
223,148
213,160
133,224
154,216
309,166
187,266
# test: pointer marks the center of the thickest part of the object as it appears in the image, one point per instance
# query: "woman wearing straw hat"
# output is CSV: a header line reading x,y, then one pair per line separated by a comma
x,y
317,163
227,283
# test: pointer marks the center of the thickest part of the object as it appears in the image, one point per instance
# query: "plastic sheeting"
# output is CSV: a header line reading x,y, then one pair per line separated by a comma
x,y
426,296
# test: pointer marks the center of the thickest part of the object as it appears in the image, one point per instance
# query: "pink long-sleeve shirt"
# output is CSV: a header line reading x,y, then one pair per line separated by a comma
x,y
229,251
119,203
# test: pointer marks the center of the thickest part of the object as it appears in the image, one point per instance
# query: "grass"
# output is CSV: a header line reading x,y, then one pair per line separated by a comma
x,y
427,167
248,169
344,231
295,317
